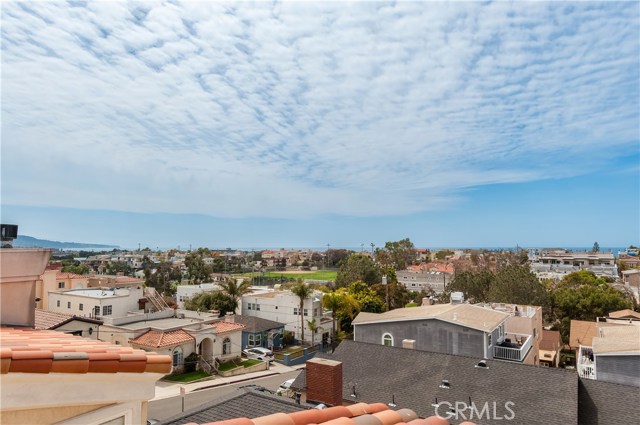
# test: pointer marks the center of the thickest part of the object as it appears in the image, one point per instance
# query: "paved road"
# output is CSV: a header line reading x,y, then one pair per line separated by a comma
x,y
170,406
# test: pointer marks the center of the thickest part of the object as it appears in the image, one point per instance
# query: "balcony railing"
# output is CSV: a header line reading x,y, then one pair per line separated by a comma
x,y
586,364
514,351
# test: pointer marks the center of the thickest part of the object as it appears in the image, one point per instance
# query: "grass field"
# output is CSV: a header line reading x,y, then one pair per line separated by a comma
x,y
315,275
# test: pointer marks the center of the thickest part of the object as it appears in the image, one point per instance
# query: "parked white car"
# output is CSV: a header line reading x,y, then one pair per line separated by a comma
x,y
258,353
284,388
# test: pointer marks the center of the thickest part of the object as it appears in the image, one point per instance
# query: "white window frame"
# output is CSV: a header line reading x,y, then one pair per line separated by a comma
x,y
387,337
107,310
178,354
226,346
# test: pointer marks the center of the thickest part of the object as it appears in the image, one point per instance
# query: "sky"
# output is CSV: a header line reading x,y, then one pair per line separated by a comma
x,y
302,124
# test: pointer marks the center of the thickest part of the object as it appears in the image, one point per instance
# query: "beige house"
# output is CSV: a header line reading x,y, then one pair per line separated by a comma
x,y
55,280
50,377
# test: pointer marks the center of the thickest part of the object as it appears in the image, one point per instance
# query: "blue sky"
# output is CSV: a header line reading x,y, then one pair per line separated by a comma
x,y
301,124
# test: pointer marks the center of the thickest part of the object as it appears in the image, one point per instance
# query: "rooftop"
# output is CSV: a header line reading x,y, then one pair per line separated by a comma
x,y
159,339
256,324
467,315
617,339
46,351
51,320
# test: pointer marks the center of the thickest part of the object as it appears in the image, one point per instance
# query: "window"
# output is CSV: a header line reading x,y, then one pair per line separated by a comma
x,y
295,311
252,341
248,306
315,312
226,346
68,304
489,339
258,307
96,310
80,306
177,356
106,310
387,339
534,332
60,285
58,303
258,340
306,312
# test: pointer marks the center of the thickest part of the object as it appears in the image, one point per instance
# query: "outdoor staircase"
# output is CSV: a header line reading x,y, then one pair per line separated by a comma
x,y
156,299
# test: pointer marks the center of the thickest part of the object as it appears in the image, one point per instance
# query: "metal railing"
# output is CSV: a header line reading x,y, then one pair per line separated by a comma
x,y
585,365
512,353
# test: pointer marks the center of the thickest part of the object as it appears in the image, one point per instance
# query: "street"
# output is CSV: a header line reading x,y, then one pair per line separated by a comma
x,y
167,407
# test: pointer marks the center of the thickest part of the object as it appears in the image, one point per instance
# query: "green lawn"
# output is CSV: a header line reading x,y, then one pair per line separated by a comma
x,y
316,275
188,377
246,363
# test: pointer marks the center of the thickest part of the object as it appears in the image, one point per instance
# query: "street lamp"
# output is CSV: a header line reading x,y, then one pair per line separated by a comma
x,y
384,283
372,245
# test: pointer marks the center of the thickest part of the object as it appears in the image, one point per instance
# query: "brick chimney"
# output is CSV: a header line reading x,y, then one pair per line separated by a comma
x,y
324,381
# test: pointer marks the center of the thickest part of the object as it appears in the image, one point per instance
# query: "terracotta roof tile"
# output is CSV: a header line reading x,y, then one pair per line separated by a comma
x,y
158,339
46,351
222,327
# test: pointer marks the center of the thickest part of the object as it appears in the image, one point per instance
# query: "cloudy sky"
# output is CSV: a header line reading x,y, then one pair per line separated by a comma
x,y
307,123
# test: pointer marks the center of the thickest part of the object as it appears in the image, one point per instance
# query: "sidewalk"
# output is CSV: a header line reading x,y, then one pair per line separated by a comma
x,y
166,389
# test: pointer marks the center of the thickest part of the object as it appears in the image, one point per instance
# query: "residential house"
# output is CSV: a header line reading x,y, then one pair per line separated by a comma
x,y
468,389
260,332
65,369
66,323
557,263
178,334
613,356
97,302
550,347
55,280
186,292
463,329
283,307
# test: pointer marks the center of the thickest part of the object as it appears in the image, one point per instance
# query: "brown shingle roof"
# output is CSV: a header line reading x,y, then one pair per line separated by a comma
x,y
51,320
582,332
622,314
158,339
46,351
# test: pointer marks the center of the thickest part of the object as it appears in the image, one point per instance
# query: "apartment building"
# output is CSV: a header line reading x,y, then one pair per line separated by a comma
x,y
283,307
559,262
424,280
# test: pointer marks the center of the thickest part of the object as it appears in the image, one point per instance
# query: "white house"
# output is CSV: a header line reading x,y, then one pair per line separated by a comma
x,y
186,292
283,307
96,302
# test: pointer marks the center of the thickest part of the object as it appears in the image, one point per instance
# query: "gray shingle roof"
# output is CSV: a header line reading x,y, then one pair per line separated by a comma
x,y
246,402
606,403
413,380
256,324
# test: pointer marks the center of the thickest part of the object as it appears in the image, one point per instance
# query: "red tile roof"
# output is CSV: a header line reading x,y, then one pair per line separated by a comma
x,y
359,413
46,351
222,327
158,339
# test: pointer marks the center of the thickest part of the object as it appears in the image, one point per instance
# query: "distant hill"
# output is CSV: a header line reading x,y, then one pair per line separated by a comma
x,y
24,241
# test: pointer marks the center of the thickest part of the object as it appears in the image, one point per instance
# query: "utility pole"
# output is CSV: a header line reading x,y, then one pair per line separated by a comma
x,y
384,283
327,254
361,247
372,246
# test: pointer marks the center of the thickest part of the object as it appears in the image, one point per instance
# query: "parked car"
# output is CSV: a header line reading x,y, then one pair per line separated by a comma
x,y
283,389
258,353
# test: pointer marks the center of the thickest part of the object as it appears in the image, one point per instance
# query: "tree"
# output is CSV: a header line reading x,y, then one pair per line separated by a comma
x,y
197,270
162,277
398,254
358,267
76,268
206,301
235,291
583,296
516,284
340,302
443,254
313,327
302,291
596,247
475,285
367,298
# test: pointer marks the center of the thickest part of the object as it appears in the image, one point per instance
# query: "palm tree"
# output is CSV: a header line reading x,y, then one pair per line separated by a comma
x,y
313,327
234,291
339,301
302,291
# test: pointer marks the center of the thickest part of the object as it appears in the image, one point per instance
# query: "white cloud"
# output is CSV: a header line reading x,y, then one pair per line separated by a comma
x,y
300,109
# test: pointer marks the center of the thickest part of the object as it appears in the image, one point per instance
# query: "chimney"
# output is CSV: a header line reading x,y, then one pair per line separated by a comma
x,y
409,343
324,381
230,318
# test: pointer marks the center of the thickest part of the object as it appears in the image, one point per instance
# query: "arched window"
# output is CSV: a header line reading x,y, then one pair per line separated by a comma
x,y
177,356
387,339
226,346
